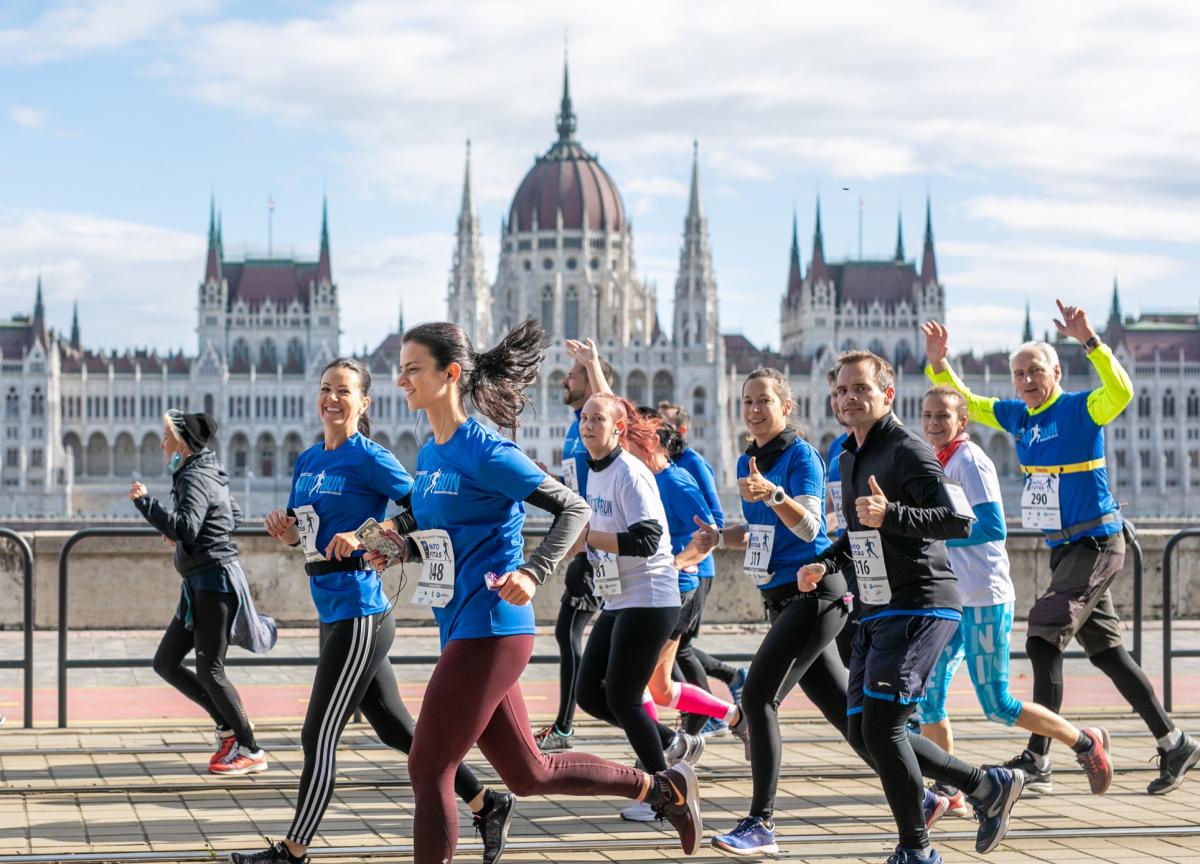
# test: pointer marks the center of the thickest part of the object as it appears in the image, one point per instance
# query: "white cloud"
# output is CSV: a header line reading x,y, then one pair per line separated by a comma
x,y
26,117
77,27
1098,218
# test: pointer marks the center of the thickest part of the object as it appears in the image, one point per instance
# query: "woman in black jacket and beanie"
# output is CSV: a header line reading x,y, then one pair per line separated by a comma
x,y
215,604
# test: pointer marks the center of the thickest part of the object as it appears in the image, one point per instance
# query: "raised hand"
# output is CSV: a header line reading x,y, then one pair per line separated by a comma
x,y
809,576
1074,323
937,344
871,508
754,486
585,351
137,490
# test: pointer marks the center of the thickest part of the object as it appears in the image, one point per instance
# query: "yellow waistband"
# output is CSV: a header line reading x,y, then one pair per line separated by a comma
x,y
1076,468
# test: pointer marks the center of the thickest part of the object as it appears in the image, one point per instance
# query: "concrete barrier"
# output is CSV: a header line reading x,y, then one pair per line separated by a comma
x,y
130,583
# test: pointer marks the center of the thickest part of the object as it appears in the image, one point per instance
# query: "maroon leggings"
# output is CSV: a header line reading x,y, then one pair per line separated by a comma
x,y
473,697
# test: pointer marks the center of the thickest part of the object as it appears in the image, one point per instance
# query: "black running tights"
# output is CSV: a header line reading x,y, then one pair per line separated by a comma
x,y
1114,662
568,632
212,614
620,656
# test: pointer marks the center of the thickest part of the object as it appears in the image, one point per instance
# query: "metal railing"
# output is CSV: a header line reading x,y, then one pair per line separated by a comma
x,y
1170,652
26,662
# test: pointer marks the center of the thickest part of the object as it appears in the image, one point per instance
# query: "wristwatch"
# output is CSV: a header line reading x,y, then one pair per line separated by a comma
x,y
1092,344
777,497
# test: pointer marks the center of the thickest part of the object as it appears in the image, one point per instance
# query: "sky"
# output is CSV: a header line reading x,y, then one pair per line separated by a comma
x,y
1059,144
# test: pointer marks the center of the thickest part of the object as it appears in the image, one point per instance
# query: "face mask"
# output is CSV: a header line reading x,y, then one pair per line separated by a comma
x,y
176,461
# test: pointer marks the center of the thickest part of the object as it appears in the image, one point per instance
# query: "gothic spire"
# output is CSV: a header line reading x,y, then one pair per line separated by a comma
x,y
212,263
795,272
695,283
468,191
816,269
566,113
899,237
695,209
1027,332
324,268
469,294
75,326
1115,313
928,260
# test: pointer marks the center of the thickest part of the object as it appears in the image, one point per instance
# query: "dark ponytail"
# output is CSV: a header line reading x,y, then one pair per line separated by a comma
x,y
360,369
495,380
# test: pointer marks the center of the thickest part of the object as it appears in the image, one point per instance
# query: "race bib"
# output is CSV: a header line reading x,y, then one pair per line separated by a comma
x,y
759,543
604,569
866,548
834,517
308,523
958,498
570,474
1039,503
435,585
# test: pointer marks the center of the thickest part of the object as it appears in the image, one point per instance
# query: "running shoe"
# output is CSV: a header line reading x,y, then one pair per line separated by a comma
x,y
904,855
1173,764
276,853
240,760
958,801
992,814
685,748
741,731
678,794
1037,780
714,728
639,811
225,742
736,683
493,825
552,740
1095,761
935,807
752,836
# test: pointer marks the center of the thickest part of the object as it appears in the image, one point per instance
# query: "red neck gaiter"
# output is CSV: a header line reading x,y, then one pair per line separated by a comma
x,y
946,453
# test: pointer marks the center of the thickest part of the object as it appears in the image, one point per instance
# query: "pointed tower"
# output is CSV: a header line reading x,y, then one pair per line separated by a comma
x,y
212,263
899,238
928,260
816,270
75,326
39,314
696,324
795,271
469,295
1114,314
324,268
213,291
1027,331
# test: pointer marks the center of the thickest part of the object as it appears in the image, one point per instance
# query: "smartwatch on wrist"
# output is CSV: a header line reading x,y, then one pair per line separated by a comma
x,y
1092,344
777,497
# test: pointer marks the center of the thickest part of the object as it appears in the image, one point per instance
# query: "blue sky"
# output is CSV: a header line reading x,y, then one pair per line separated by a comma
x,y
1059,145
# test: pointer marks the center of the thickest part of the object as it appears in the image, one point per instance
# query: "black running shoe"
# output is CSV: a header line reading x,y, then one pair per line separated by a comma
x,y
276,853
678,794
1037,780
1173,764
493,825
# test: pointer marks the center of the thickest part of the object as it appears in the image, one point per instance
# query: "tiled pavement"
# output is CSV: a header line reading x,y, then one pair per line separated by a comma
x,y
112,785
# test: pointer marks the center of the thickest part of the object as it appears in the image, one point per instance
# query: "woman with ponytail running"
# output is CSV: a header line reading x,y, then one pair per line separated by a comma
x,y
468,502
337,485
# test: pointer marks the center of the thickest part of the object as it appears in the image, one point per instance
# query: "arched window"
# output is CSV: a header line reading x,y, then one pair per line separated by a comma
x,y
98,464
1144,404
1168,404
37,403
295,357
239,356
1193,404
548,308
150,457
664,387
268,357
635,387
12,404
208,404
571,314
699,401
125,455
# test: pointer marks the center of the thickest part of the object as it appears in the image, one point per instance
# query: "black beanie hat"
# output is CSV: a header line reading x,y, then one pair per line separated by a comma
x,y
196,430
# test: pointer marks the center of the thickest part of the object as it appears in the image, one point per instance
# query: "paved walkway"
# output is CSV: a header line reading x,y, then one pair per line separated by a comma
x,y
127,779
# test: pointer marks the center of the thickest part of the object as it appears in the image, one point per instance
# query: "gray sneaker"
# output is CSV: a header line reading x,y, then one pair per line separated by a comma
x,y
551,740
1173,764
685,748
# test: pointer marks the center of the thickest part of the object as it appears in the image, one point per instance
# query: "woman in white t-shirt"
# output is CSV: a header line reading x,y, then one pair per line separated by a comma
x,y
634,574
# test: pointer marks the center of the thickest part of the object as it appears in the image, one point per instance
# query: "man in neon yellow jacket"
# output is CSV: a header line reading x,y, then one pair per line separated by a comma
x,y
1059,440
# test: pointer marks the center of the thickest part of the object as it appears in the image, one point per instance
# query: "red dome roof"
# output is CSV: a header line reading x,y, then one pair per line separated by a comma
x,y
567,178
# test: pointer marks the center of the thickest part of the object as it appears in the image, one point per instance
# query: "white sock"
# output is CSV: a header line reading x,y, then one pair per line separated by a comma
x,y
731,713
1041,760
1171,740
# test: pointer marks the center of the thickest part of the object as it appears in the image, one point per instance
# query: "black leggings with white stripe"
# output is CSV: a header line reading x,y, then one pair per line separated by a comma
x,y
353,671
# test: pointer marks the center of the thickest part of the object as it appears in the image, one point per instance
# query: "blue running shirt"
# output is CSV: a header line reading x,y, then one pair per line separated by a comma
x,y
833,461
800,471
696,465
345,487
683,499
472,487
575,454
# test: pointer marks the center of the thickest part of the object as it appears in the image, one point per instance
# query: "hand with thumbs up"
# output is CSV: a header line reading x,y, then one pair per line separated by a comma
x,y
871,508
706,537
754,486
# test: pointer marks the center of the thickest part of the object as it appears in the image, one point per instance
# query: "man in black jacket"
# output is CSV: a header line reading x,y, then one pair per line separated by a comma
x,y
899,508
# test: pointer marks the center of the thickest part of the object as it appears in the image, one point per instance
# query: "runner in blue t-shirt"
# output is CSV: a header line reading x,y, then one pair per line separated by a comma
x,y
468,507
338,484
579,605
833,499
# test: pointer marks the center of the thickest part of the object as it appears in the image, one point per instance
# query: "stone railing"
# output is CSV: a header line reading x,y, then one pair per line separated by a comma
x,y
130,583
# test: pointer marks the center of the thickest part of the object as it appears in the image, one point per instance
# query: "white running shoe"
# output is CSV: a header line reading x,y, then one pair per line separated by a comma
x,y
638,812
685,748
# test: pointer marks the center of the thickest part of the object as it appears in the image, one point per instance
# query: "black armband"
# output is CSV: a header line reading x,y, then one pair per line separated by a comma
x,y
640,540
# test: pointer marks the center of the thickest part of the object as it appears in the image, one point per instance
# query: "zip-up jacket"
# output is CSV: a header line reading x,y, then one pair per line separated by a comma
x,y
205,514
920,516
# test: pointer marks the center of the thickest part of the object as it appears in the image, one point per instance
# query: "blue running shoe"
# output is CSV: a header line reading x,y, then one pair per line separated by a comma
x,y
904,855
752,836
736,683
714,728
935,807
993,813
